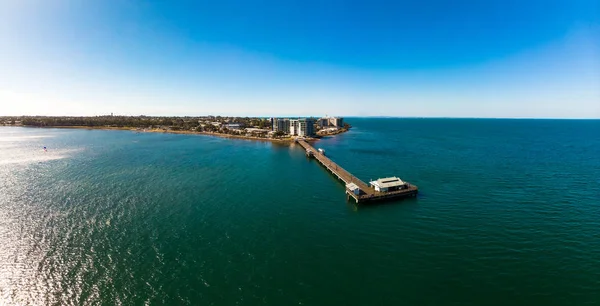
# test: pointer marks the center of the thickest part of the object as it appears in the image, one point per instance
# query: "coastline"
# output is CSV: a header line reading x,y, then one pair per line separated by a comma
x,y
287,140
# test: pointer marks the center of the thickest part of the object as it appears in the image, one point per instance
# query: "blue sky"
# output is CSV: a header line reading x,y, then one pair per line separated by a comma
x,y
537,59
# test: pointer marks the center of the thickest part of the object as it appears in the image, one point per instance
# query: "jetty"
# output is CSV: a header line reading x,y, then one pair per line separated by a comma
x,y
379,190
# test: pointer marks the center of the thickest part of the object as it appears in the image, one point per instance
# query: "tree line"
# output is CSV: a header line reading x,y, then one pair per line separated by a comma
x,y
176,123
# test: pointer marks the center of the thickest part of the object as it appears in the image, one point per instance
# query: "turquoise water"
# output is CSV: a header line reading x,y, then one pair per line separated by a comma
x,y
508,214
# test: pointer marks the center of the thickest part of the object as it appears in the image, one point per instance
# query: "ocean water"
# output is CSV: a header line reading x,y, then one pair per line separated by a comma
x,y
508,214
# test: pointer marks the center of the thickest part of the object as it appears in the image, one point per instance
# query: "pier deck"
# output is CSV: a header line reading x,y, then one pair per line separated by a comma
x,y
367,193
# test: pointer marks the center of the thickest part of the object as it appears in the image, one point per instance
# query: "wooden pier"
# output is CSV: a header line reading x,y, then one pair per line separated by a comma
x,y
366,193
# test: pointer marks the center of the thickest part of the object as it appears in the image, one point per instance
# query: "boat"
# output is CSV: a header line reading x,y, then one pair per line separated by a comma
x,y
321,151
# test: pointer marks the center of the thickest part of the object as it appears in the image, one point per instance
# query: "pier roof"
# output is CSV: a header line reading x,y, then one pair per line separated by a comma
x,y
387,182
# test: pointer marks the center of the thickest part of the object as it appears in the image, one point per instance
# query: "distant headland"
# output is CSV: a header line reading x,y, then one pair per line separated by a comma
x,y
256,128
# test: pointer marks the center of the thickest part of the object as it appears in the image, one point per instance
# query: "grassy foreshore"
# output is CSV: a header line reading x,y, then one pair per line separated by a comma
x,y
280,140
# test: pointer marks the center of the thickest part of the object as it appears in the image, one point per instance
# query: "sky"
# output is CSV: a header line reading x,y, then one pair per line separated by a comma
x,y
498,59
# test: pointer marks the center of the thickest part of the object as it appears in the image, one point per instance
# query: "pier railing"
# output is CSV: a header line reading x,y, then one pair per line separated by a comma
x,y
336,169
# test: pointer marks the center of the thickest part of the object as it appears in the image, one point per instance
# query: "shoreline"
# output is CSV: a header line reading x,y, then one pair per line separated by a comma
x,y
288,140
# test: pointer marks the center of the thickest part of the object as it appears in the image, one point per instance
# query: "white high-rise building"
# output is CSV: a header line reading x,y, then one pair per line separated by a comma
x,y
294,126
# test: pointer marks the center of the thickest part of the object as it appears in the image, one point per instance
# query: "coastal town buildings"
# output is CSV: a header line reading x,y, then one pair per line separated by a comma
x,y
276,128
322,123
233,126
281,125
330,122
257,132
303,127
306,127
336,122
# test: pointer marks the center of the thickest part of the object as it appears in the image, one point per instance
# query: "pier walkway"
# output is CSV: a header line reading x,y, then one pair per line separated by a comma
x,y
366,193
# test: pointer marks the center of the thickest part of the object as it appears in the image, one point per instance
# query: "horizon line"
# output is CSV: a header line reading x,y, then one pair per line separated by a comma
x,y
374,117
